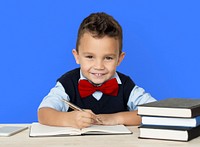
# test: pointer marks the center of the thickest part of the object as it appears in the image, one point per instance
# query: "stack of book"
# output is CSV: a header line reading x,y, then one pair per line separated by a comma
x,y
170,119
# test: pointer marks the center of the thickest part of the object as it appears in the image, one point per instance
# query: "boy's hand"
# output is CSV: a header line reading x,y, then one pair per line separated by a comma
x,y
106,119
125,118
102,119
83,119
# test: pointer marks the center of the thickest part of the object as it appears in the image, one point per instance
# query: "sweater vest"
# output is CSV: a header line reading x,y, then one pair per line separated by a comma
x,y
107,104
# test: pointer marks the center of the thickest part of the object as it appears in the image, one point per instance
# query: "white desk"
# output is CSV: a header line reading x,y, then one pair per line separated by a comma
x,y
22,139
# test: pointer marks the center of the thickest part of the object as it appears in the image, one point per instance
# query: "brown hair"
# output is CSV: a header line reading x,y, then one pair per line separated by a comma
x,y
100,25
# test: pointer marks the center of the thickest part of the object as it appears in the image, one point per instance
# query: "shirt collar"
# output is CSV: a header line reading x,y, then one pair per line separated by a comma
x,y
114,76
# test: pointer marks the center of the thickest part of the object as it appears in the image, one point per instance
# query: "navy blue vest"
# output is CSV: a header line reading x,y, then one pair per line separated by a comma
x,y
107,104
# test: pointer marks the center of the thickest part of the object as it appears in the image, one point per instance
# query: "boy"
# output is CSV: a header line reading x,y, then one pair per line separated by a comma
x,y
113,96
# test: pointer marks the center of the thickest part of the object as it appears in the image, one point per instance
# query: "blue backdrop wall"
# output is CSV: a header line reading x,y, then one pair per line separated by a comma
x,y
161,41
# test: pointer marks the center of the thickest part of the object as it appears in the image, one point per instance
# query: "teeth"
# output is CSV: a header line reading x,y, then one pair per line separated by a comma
x,y
98,74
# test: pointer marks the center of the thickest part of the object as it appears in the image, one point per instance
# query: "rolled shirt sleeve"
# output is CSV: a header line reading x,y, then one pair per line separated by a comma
x,y
53,99
137,97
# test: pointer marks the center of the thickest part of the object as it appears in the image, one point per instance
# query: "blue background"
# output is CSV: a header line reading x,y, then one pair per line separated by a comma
x,y
161,41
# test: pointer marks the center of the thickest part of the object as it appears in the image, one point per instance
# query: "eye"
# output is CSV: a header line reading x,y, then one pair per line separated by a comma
x,y
109,58
89,57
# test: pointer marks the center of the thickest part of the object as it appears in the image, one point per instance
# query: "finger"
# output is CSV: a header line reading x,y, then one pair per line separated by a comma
x,y
88,120
86,117
85,122
89,114
85,125
89,111
99,121
96,118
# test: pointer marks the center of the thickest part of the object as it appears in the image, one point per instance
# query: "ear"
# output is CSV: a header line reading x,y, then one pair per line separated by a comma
x,y
76,56
121,57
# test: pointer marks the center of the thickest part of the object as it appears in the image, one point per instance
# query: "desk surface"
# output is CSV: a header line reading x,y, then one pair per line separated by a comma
x,y
22,139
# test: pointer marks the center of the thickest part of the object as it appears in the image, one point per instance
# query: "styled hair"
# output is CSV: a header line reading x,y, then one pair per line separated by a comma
x,y
100,25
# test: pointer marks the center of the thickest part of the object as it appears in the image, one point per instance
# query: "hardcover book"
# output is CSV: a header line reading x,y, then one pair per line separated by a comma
x,y
172,107
169,132
170,121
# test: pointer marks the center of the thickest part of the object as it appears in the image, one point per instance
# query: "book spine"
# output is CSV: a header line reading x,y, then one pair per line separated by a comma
x,y
195,111
193,133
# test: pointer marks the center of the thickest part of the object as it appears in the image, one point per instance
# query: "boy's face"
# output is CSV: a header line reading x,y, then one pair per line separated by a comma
x,y
98,57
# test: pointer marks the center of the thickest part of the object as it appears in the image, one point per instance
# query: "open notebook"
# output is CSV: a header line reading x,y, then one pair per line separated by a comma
x,y
39,130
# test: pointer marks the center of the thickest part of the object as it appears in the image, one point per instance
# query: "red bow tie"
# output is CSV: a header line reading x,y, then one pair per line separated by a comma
x,y
109,87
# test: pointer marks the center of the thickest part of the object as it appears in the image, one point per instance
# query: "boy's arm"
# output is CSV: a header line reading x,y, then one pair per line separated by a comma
x,y
77,119
125,118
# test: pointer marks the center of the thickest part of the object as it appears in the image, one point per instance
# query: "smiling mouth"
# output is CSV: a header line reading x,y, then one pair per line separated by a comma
x,y
98,74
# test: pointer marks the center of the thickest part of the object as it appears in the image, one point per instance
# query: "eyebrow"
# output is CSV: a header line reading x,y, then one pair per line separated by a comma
x,y
88,53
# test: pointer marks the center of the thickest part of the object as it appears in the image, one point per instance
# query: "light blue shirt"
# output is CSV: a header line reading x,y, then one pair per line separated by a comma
x,y
53,99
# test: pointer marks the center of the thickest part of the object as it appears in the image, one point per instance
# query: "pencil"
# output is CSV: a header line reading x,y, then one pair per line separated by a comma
x,y
74,107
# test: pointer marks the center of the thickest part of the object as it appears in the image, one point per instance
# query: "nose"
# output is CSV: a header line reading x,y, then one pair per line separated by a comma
x,y
99,65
